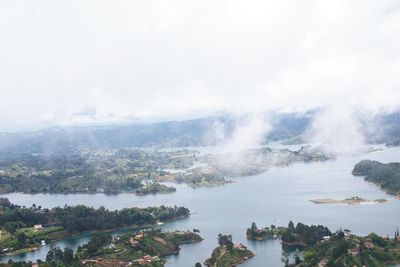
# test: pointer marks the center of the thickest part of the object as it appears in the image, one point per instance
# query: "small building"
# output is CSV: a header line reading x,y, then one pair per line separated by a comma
x,y
37,227
133,242
139,236
323,262
43,242
239,246
326,238
354,251
369,244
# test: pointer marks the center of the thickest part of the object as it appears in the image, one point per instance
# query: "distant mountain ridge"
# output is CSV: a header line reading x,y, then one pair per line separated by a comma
x,y
194,132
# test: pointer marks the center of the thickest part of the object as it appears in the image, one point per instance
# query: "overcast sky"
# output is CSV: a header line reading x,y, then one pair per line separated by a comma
x,y
80,61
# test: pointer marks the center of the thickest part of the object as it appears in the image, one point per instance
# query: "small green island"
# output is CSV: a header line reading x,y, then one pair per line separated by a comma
x,y
350,201
387,176
228,254
28,228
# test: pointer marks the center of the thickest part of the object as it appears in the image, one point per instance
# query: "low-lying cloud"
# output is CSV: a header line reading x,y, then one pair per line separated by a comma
x,y
130,60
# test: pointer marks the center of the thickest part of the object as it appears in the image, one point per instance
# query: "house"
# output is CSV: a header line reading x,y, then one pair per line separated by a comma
x,y
145,259
369,244
133,242
139,236
326,238
37,227
239,246
354,251
323,262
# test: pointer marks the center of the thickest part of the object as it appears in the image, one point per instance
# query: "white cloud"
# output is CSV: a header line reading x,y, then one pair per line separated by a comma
x,y
146,59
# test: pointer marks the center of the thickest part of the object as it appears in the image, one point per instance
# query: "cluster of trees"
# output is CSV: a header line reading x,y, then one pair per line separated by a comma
x,y
81,218
386,175
96,242
154,187
303,234
56,257
78,219
225,240
265,233
14,217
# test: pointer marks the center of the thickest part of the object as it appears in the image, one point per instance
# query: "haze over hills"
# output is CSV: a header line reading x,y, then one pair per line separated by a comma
x,y
207,131
195,132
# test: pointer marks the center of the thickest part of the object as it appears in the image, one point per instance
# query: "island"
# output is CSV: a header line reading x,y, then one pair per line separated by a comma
x,y
228,254
300,235
324,248
345,249
25,228
272,232
387,176
350,201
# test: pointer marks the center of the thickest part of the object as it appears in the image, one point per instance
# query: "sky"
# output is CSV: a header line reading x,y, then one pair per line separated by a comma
x,y
68,62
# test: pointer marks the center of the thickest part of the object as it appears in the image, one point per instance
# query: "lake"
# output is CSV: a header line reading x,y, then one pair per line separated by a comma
x,y
274,197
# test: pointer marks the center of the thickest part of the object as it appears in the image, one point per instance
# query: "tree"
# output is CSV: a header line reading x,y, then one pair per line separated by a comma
x,y
253,227
291,225
198,264
21,239
68,256
10,227
225,240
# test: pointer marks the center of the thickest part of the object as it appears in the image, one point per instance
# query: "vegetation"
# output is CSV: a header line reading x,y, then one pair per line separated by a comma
x,y
105,171
228,254
255,233
300,235
303,235
108,171
345,249
259,160
154,187
143,248
385,175
26,227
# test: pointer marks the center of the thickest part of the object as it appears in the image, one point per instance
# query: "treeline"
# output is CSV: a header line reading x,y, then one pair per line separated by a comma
x,y
81,218
385,175
304,235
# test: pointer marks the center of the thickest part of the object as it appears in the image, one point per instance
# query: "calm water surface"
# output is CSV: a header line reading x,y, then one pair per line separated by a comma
x,y
274,197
